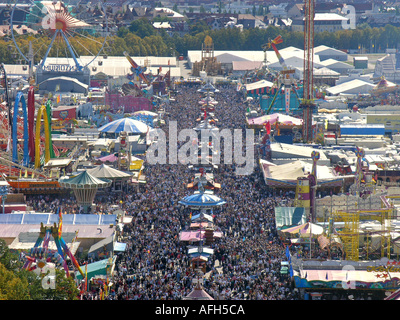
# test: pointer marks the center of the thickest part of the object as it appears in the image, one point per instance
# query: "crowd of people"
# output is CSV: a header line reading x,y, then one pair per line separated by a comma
x,y
156,265
246,259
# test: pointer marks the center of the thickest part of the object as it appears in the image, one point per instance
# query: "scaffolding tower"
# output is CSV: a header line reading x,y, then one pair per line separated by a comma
x,y
349,234
208,62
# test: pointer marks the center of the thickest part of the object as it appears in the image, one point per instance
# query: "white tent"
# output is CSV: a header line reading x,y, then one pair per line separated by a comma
x,y
355,86
105,171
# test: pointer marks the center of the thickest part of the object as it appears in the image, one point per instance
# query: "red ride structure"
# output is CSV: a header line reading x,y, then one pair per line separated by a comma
x,y
308,99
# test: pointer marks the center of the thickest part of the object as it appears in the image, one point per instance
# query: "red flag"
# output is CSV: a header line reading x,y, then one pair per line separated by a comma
x,y
268,127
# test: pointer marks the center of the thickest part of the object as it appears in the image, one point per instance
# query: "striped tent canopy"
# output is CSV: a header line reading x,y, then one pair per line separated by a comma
x,y
305,229
107,172
202,199
125,124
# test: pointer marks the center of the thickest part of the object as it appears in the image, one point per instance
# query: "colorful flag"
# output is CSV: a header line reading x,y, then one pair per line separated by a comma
x,y
59,222
268,127
86,278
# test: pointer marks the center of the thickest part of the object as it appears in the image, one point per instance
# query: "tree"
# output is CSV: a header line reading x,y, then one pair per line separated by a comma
x,y
142,28
11,286
19,284
198,27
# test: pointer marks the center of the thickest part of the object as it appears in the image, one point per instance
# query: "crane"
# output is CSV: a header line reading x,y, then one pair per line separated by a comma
x,y
308,100
287,82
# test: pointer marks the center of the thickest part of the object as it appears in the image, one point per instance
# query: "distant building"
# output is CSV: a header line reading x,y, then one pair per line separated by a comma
x,y
278,10
168,13
325,76
295,11
323,22
249,21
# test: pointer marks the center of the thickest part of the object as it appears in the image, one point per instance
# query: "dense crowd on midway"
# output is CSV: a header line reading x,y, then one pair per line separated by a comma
x,y
155,266
246,260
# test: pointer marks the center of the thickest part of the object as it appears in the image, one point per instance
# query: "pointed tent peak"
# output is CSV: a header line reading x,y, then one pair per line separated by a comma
x,y
198,293
125,124
208,87
110,158
202,199
84,180
105,171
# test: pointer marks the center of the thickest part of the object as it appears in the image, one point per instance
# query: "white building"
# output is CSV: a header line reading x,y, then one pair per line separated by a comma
x,y
330,22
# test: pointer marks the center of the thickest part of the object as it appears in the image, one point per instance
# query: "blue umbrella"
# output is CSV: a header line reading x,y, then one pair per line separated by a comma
x,y
202,200
125,124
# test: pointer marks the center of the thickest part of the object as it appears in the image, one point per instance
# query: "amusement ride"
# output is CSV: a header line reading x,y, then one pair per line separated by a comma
x,y
59,47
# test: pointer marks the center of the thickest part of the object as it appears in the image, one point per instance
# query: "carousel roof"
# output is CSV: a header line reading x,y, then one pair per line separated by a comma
x,y
84,180
125,124
146,113
202,199
208,87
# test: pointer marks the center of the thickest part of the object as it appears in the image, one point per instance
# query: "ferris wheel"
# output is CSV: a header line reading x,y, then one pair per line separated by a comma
x,y
52,30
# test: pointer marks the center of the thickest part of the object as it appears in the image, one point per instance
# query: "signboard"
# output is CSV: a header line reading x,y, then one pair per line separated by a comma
x,y
390,121
59,68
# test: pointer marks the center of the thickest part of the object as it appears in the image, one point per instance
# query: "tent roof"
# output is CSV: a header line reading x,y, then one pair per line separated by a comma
x,y
325,72
293,170
229,58
84,180
125,124
246,65
258,85
351,85
96,268
200,199
288,216
198,294
272,118
305,228
67,83
323,49
101,243
105,171
286,150
111,158
335,63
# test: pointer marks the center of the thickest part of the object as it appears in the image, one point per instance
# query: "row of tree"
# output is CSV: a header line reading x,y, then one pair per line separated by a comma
x,y
141,39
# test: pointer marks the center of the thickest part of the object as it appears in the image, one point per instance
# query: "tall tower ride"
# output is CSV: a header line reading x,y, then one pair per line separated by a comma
x,y
307,103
